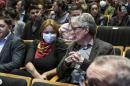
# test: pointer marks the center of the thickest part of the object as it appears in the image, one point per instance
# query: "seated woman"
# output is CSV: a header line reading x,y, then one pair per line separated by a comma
x,y
100,19
45,54
121,17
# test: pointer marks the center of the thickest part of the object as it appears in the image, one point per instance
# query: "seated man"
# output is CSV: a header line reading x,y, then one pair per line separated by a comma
x,y
65,30
83,51
109,70
12,48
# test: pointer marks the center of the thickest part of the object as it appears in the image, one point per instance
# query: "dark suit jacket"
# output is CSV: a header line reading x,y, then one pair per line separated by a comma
x,y
99,48
28,34
12,54
125,21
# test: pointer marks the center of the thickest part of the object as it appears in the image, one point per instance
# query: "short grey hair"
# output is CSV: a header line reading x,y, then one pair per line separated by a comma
x,y
85,20
120,69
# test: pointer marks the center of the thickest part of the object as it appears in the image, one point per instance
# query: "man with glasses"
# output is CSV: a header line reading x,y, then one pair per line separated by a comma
x,y
82,51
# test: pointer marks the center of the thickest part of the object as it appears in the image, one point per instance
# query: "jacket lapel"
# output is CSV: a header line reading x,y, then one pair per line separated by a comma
x,y
6,45
94,50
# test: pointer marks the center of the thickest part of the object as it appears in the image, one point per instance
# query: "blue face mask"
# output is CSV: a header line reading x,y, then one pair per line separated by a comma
x,y
49,37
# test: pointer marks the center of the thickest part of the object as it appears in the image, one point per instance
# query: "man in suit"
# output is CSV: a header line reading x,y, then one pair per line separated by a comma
x,y
83,50
32,27
12,48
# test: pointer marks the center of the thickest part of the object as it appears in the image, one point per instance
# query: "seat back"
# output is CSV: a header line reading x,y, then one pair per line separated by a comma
x,y
115,35
14,80
27,44
39,82
127,52
118,50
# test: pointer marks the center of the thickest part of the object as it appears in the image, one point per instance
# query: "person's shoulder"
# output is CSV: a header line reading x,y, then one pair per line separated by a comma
x,y
62,43
16,38
103,43
15,41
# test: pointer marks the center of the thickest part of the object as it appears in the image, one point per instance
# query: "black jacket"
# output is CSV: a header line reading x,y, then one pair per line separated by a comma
x,y
99,48
12,54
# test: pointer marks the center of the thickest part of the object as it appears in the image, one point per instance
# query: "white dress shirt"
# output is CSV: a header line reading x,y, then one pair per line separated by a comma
x,y
2,41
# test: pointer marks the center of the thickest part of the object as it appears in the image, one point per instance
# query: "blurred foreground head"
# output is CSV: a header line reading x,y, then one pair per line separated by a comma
x,y
109,70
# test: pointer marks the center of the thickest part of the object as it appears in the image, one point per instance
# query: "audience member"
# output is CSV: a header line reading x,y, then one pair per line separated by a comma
x,y
60,9
20,9
100,19
121,18
18,25
45,54
106,8
109,70
66,32
128,6
82,4
83,50
32,27
12,48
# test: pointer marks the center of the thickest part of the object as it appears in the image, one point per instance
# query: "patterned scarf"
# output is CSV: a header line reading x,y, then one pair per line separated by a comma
x,y
43,49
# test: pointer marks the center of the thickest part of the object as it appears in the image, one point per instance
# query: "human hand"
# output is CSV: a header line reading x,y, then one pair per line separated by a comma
x,y
39,77
44,76
74,57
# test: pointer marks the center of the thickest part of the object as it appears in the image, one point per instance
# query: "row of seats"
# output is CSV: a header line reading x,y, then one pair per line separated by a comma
x,y
16,80
119,36
123,51
116,35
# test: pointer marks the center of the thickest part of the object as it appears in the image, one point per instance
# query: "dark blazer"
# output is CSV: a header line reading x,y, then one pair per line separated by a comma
x,y
12,54
99,48
125,21
28,34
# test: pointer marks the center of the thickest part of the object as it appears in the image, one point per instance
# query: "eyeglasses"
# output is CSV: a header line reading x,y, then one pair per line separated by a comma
x,y
76,28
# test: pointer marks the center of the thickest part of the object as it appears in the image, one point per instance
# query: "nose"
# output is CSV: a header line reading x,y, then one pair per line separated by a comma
x,y
73,33
35,14
0,29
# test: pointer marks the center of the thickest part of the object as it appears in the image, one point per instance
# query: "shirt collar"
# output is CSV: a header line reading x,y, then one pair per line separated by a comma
x,y
23,12
7,36
91,42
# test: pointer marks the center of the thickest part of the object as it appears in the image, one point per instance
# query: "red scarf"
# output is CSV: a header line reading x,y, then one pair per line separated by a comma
x,y
43,49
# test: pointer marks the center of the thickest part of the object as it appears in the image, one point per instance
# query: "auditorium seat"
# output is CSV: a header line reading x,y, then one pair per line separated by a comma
x,y
127,52
118,50
14,80
54,78
115,35
39,82
27,43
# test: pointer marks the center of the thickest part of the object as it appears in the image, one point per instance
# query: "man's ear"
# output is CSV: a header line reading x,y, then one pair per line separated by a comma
x,y
11,27
87,30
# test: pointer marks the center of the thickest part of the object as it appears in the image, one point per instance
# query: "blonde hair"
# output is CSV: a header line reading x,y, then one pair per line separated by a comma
x,y
51,22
